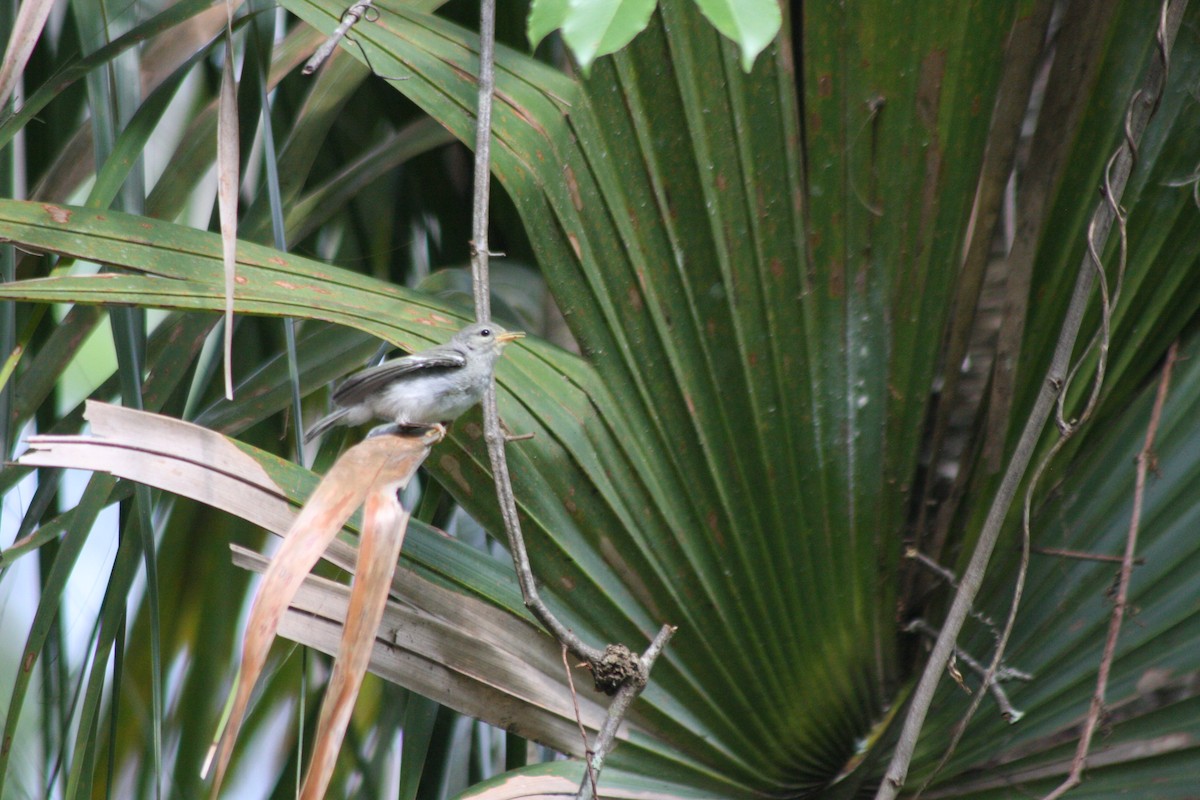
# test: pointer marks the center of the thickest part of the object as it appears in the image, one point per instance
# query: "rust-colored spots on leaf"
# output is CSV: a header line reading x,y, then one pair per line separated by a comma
x,y
752,359
722,183
452,468
520,111
776,267
277,260
241,280
146,226
837,281
573,187
929,91
824,86
714,526
299,286
635,299
433,320
567,582
574,240
613,555
473,430
691,407
28,662
57,213
569,502
929,87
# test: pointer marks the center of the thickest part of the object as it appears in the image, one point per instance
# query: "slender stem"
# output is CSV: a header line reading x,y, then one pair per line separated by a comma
x,y
495,438
493,434
1144,459
483,161
587,750
1080,556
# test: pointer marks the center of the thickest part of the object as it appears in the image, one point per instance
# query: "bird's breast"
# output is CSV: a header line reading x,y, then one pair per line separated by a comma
x,y
424,400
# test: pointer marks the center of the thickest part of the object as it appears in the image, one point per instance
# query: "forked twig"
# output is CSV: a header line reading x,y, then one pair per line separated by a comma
x,y
1007,710
617,708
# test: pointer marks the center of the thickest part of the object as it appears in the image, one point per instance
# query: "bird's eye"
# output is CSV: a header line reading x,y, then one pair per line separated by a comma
x,y
486,332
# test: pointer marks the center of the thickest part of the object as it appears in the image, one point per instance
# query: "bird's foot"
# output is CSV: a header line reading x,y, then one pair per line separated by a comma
x,y
409,431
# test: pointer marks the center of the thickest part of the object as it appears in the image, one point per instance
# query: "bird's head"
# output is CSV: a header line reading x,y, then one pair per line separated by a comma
x,y
482,337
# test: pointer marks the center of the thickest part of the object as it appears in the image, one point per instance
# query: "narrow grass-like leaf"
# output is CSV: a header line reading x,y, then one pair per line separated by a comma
x,y
228,175
31,18
94,499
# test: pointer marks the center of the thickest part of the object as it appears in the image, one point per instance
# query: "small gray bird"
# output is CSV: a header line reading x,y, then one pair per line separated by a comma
x,y
425,388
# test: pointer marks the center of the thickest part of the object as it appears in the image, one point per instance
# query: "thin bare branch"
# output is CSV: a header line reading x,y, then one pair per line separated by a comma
x,y
1144,460
1080,555
615,669
1144,104
587,750
483,160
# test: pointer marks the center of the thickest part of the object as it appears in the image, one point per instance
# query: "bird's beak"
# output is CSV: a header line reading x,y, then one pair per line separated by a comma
x,y
508,336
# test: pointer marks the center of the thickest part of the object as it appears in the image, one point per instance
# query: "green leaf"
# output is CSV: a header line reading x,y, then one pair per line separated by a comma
x,y
752,24
594,28
545,17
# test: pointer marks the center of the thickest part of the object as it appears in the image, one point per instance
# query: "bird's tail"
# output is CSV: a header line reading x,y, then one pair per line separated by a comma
x,y
324,424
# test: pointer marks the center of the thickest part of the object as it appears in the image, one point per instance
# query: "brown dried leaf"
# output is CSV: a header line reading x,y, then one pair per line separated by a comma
x,y
376,465
384,525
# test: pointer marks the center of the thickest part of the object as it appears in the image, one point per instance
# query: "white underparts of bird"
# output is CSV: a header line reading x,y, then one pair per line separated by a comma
x,y
426,388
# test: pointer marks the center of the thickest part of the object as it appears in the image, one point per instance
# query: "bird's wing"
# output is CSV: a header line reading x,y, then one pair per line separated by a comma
x,y
361,385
